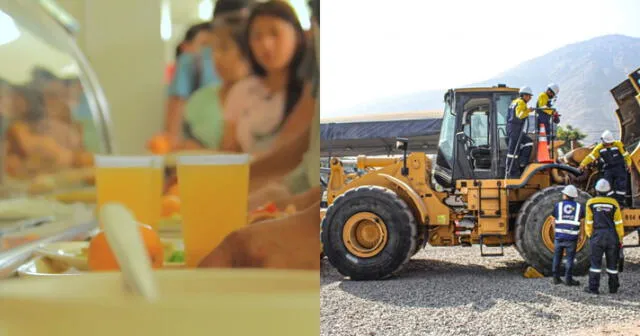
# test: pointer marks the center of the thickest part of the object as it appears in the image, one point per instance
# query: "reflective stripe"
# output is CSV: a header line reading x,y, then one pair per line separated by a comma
x,y
612,271
589,222
602,205
625,154
577,218
542,139
570,232
511,156
568,222
621,192
595,270
529,144
610,193
592,157
618,222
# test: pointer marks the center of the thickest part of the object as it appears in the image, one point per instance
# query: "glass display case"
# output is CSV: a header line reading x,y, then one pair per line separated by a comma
x,y
53,118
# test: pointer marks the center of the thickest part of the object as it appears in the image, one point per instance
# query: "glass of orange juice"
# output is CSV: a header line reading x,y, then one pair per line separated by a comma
x,y
214,191
127,180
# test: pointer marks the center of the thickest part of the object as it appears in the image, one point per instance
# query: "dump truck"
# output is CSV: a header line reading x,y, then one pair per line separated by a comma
x,y
376,222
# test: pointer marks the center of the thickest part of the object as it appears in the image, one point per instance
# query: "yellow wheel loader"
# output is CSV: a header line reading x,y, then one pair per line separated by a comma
x,y
375,222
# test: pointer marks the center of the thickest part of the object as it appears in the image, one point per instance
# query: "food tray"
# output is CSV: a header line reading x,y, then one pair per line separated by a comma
x,y
70,258
191,302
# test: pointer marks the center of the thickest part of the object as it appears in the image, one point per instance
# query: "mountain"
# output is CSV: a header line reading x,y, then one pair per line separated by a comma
x,y
585,71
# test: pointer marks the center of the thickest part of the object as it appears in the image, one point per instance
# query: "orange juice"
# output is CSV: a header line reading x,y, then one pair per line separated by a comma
x,y
127,180
214,190
157,185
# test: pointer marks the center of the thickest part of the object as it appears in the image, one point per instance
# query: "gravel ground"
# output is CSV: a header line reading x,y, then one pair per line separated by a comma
x,y
454,291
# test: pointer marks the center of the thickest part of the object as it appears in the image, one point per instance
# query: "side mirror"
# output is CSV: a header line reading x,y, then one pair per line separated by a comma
x,y
402,143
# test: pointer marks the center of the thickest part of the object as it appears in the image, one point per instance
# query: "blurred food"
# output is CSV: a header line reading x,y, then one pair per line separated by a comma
x,y
42,184
270,211
170,205
159,144
173,190
101,257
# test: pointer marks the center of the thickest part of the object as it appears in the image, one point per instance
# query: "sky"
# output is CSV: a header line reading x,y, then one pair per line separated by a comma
x,y
374,49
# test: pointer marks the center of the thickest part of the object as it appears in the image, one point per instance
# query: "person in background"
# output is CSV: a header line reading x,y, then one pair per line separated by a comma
x,y
545,114
520,144
261,104
605,229
170,70
616,162
567,215
193,70
290,242
204,110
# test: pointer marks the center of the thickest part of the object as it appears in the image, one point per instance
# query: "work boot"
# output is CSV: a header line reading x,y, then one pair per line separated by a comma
x,y
588,290
572,282
556,280
613,290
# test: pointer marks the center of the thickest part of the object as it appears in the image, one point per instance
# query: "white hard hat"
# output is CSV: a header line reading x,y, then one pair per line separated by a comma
x,y
570,191
603,186
525,90
554,88
607,137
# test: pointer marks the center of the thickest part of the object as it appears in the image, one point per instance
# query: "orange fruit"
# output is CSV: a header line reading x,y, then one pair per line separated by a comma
x,y
101,258
173,190
159,144
83,159
170,205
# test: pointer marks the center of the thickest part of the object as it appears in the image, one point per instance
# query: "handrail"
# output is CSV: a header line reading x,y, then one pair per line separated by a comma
x,y
12,259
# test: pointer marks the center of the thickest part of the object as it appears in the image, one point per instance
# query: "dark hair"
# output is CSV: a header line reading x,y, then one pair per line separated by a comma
x,y
281,10
314,5
230,6
194,30
236,28
178,50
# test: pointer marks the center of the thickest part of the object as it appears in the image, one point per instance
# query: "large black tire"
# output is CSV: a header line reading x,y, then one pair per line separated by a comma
x,y
529,224
399,222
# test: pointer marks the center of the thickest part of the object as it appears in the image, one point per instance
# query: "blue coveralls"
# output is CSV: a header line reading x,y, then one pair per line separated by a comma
x,y
604,225
517,154
567,214
615,172
544,118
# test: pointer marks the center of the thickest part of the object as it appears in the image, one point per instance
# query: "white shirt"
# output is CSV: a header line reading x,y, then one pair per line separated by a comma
x,y
258,113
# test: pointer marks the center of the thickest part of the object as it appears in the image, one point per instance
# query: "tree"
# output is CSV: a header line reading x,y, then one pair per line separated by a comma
x,y
571,137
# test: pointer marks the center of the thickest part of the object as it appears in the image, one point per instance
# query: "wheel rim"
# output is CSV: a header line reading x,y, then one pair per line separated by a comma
x,y
364,234
548,235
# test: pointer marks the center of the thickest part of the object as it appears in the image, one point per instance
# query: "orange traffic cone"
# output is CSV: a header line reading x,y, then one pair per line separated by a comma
x,y
543,147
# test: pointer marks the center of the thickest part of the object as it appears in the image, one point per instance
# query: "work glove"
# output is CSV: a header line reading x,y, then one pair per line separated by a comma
x,y
556,118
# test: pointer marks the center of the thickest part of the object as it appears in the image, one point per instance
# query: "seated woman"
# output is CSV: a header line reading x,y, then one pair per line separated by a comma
x,y
261,104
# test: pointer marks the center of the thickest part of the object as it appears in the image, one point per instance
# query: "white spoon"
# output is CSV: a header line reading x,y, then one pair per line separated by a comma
x,y
125,240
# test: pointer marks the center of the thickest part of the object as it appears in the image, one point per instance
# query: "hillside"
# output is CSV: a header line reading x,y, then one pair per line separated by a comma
x,y
585,71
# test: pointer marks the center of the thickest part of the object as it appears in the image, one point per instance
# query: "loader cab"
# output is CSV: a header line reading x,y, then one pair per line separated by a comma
x,y
473,138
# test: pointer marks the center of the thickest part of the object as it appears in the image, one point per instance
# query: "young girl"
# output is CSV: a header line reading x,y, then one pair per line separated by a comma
x,y
204,112
261,104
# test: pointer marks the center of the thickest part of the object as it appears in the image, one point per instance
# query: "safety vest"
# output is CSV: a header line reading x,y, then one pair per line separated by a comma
x,y
514,122
603,210
611,157
567,224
